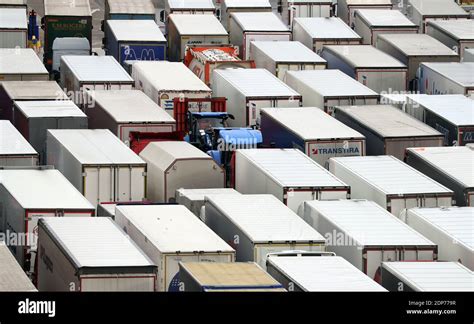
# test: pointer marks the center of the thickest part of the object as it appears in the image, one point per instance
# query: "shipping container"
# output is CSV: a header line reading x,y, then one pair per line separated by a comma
x,y
326,89
26,195
230,6
450,166
446,78
279,57
365,234
21,64
246,27
175,236
457,34
188,29
12,276
98,164
324,272
450,228
176,165
129,10
387,129
90,254
13,28
427,277
346,8
254,232
368,65
369,23
164,81
249,90
312,131
468,55
194,199
226,277
288,174
390,183
291,9
126,111
14,148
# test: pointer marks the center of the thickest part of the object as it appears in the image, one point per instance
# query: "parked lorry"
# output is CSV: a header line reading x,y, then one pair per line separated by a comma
x,y
230,6
13,28
195,7
21,64
68,46
346,8
15,151
446,78
457,34
194,199
12,276
291,9
129,10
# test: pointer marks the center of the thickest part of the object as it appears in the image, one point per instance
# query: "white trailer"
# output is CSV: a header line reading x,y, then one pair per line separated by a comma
x,y
195,7
194,199
27,195
468,55
98,164
388,130
390,183
457,34
164,81
13,4
346,8
176,165
450,166
450,228
427,277
176,235
13,28
366,235
14,148
230,6
288,174
21,64
369,23
326,89
255,231
279,57
446,78
323,272
246,27
249,90
291,9
368,65
129,10
12,276
312,131
314,33
126,111
91,254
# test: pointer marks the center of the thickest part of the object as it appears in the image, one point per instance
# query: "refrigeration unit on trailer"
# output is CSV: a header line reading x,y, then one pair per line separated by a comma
x,y
129,10
12,276
454,33
316,32
370,66
387,129
194,199
254,232
169,235
312,131
126,111
90,254
291,9
366,234
230,6
188,29
15,151
413,49
468,55
176,165
288,174
21,64
369,23
318,272
427,277
246,27
29,194
164,81
279,57
98,164
13,28
390,183
450,228
226,277
446,78
326,89
346,8
451,166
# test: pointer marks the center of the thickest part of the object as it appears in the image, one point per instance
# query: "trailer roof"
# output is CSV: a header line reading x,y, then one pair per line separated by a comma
x,y
36,90
366,223
390,175
20,61
200,194
442,8
311,123
384,18
276,222
433,276
74,8
13,18
131,7
459,29
191,4
190,24
291,168
130,106
364,56
259,21
173,228
460,73
96,68
12,142
43,189
95,146
388,121
136,30
456,161
326,28
417,45
288,51
12,276
323,273
49,108
247,4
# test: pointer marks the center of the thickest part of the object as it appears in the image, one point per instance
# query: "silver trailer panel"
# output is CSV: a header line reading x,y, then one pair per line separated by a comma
x,y
457,34
291,9
21,64
12,276
446,78
194,199
14,148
